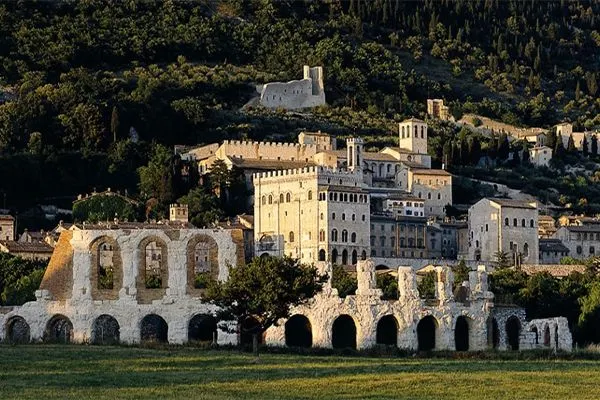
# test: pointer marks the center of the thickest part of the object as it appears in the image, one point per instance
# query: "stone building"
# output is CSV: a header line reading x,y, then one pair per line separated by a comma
x,y
30,251
552,251
312,214
540,156
128,282
437,109
582,241
305,93
504,225
398,236
443,323
7,227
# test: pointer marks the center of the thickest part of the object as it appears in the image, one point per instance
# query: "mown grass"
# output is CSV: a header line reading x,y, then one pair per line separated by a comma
x,y
88,372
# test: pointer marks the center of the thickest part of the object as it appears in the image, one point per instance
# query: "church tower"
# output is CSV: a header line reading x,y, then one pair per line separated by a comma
x,y
354,148
413,135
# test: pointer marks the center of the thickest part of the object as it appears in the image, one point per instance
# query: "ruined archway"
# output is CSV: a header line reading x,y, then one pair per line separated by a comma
x,y
426,332
534,329
202,328
247,328
343,332
105,330
107,268
202,263
154,329
17,330
493,333
387,331
513,332
59,329
298,332
461,333
547,336
153,269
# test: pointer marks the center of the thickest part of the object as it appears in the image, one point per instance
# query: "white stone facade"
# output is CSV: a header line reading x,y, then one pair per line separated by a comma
x,y
305,93
540,156
504,225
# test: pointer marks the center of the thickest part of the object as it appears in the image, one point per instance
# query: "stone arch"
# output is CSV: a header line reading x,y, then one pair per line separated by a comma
x,y
493,333
427,332
513,332
105,330
345,257
202,263
343,332
153,328
462,331
298,331
334,256
153,271
354,257
534,329
381,267
17,330
322,255
547,336
107,268
247,327
387,331
59,329
202,328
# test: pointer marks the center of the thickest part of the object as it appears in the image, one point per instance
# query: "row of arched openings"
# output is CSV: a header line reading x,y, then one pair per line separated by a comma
x,y
202,328
343,259
298,332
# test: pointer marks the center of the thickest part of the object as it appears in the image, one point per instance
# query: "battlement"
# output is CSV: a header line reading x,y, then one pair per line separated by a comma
x,y
356,140
268,144
306,171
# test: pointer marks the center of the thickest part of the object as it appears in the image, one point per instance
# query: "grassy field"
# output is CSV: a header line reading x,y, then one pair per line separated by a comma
x,y
80,372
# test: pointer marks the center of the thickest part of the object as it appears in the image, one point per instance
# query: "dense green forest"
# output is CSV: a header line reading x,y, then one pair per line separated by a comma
x,y
80,79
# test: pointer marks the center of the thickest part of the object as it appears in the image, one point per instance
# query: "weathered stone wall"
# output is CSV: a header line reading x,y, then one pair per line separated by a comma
x,y
304,93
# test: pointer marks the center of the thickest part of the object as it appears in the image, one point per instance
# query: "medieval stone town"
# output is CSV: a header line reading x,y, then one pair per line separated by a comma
x,y
372,212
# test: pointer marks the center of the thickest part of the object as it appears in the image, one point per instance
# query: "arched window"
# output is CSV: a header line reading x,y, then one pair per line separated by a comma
x,y
416,133
429,196
506,221
403,133
322,235
439,196
514,222
310,195
343,216
353,238
531,223
592,250
291,237
263,200
422,132
526,250
334,235
321,216
281,198
332,215
344,236
270,199
288,198
154,265
389,168
523,222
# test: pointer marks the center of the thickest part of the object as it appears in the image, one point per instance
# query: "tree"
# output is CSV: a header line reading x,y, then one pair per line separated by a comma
x,y
584,146
461,273
265,289
388,283
345,283
577,91
559,149
203,208
506,284
551,138
571,145
525,155
503,146
426,285
594,147
156,178
114,123
502,259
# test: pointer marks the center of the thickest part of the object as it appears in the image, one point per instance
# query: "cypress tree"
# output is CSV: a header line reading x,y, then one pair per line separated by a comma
x,y
525,155
577,91
571,145
503,146
559,149
114,123
584,146
594,149
551,138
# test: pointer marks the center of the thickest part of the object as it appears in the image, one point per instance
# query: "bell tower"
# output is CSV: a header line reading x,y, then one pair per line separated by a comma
x,y
354,148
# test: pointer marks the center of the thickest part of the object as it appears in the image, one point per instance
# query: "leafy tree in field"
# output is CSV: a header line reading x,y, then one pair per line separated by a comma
x,y
345,283
265,289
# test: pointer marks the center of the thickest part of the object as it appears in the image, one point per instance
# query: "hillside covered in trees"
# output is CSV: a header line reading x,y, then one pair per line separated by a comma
x,y
82,81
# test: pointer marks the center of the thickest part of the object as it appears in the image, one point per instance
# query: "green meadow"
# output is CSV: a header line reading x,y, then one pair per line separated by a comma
x,y
89,372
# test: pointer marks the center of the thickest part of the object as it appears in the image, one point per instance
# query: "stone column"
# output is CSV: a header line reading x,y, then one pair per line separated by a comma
x,y
367,280
407,284
443,284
